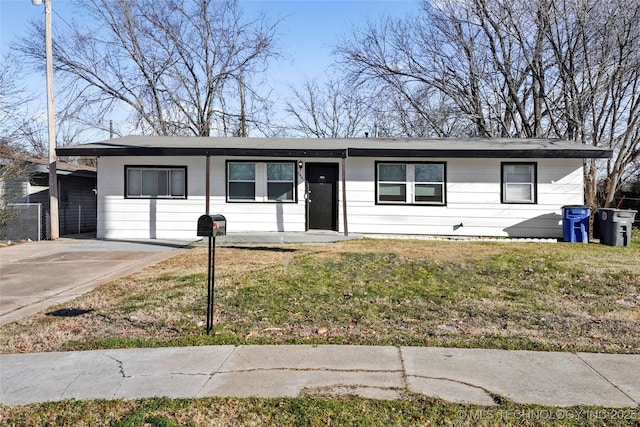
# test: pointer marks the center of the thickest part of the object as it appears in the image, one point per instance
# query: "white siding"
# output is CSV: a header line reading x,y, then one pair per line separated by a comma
x,y
473,205
120,218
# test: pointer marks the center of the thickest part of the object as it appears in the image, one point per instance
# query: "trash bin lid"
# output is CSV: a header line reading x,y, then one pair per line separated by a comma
x,y
576,207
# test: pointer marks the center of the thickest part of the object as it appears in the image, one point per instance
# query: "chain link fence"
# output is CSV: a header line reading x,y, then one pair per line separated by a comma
x,y
22,221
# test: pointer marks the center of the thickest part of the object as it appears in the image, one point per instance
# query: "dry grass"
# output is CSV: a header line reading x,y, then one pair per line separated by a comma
x,y
532,296
412,410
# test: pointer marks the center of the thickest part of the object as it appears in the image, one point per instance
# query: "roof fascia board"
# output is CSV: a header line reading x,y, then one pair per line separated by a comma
x,y
483,154
176,151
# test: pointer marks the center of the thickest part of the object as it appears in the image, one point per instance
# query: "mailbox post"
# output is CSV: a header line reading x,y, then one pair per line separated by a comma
x,y
211,226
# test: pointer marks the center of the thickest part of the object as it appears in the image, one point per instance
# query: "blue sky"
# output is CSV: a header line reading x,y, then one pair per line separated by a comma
x,y
308,30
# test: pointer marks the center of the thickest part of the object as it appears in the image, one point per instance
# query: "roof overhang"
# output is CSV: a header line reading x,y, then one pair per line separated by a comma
x,y
337,148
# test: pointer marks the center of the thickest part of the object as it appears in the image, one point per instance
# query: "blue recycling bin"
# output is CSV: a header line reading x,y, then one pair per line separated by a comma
x,y
575,223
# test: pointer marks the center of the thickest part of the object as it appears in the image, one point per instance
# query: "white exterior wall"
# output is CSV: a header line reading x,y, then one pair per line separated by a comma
x,y
472,199
472,193
120,218
256,216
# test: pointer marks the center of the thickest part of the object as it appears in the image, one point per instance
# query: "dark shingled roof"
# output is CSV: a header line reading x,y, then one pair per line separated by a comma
x,y
340,148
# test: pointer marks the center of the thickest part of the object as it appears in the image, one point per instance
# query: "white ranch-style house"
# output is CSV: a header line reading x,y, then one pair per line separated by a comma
x,y
155,187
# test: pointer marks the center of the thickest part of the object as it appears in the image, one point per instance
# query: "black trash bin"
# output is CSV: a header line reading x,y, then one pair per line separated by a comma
x,y
615,226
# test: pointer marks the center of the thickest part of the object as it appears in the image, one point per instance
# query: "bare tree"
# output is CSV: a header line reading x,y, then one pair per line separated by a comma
x,y
329,110
169,64
13,102
596,45
23,124
515,68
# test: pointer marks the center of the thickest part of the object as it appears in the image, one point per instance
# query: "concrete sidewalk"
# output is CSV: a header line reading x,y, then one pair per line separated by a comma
x,y
456,375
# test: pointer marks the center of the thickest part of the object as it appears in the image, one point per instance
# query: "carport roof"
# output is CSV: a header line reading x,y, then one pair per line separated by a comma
x,y
336,148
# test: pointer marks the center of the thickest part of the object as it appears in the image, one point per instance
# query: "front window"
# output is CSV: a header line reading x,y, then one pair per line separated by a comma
x,y
518,183
411,183
429,182
156,182
242,181
280,181
392,183
261,181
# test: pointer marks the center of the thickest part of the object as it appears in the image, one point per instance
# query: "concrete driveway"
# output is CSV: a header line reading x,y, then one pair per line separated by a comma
x,y
37,275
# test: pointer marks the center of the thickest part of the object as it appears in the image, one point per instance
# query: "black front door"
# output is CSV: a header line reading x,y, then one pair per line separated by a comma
x,y
322,196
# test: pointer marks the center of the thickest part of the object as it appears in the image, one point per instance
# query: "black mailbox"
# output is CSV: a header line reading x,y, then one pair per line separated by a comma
x,y
212,225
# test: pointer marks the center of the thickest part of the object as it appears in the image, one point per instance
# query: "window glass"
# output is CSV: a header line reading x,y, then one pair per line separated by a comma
x,y
411,183
261,181
242,171
392,172
280,191
519,193
149,185
428,193
519,183
392,192
519,173
280,181
134,181
156,181
429,172
163,182
242,190
178,182
279,172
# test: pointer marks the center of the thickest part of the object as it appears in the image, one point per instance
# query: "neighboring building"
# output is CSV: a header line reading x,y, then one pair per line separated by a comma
x,y
77,204
154,187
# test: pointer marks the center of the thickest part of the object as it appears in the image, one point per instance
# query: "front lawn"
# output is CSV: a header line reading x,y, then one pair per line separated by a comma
x,y
537,296
413,410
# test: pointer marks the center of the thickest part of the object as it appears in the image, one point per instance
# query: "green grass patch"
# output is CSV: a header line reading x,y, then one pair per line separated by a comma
x,y
412,410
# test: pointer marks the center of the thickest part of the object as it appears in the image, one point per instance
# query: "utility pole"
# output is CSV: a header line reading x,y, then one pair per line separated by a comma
x,y
53,178
243,117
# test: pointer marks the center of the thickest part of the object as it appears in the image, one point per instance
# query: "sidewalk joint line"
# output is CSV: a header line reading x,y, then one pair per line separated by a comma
x,y
216,371
605,378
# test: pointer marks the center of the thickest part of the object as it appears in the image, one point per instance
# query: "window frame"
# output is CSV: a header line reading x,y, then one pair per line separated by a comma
x,y
261,182
167,168
410,184
533,183
228,182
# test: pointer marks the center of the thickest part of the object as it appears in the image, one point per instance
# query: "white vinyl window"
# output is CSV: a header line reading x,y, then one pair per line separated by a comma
x,y
156,182
411,183
392,183
261,181
518,183
280,181
241,181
